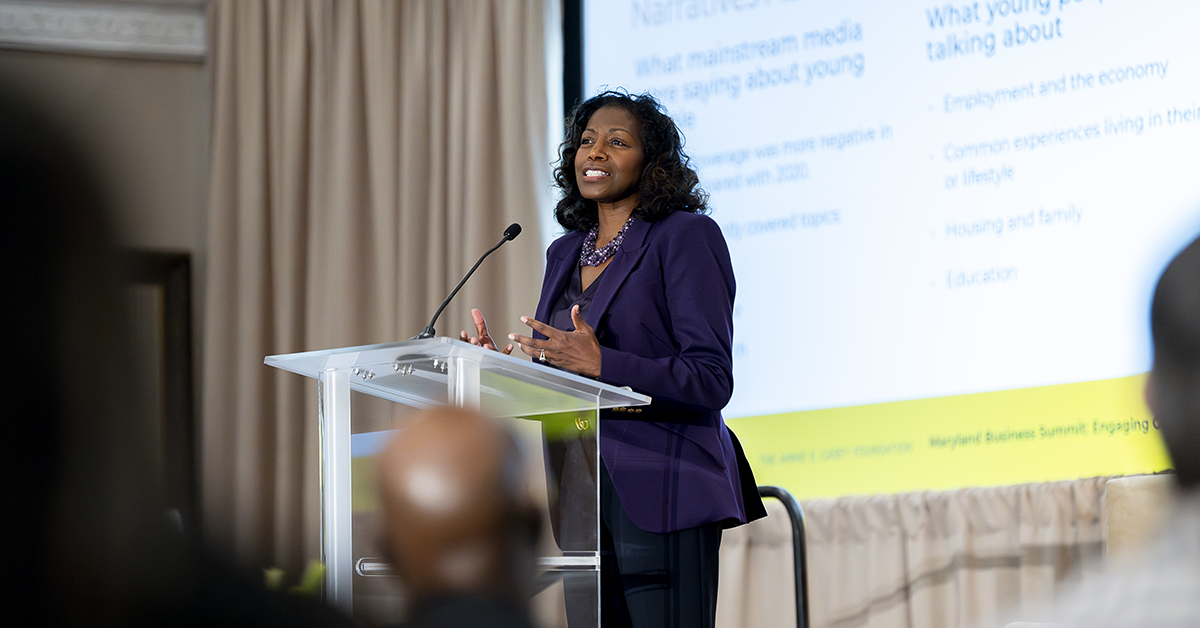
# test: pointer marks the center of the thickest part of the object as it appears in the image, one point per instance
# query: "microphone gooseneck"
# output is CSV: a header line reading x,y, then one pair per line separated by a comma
x,y
510,233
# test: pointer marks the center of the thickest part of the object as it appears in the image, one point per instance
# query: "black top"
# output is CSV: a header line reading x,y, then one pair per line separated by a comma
x,y
560,314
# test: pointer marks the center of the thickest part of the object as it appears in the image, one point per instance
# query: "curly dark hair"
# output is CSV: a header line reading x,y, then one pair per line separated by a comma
x,y
668,183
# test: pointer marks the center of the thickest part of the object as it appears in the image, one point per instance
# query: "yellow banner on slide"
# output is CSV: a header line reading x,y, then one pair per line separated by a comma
x,y
1042,434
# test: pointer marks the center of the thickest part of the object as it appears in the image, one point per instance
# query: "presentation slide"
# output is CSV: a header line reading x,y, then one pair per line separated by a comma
x,y
929,201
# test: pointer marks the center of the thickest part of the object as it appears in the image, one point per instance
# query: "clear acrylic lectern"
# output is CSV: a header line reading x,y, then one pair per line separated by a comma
x,y
444,371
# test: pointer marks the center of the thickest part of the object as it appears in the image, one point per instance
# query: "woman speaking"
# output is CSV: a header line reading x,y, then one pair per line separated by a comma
x,y
639,293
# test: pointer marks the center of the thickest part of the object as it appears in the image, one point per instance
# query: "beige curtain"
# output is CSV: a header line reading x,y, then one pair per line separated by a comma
x,y
955,559
365,153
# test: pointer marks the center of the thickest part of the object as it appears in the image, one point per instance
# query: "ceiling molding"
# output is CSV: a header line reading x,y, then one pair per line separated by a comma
x,y
115,29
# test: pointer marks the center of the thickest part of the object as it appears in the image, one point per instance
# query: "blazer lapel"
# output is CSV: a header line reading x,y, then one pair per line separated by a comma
x,y
558,274
623,263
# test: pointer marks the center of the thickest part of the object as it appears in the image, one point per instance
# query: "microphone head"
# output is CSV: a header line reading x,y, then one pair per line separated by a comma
x,y
512,231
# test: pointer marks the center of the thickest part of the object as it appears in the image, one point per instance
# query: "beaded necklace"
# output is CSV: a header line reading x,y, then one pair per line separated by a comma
x,y
592,256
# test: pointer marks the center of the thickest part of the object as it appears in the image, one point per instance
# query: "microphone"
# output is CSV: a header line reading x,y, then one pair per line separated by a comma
x,y
510,233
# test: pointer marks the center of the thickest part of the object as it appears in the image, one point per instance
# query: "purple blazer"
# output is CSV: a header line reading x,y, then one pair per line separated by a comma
x,y
663,313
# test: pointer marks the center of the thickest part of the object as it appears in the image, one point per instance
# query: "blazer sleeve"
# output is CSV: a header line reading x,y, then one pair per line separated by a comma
x,y
682,353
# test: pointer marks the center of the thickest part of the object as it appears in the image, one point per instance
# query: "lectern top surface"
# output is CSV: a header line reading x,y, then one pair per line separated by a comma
x,y
420,373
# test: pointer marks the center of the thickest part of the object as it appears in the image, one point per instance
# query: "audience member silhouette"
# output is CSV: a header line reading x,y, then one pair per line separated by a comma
x,y
1162,589
86,527
460,526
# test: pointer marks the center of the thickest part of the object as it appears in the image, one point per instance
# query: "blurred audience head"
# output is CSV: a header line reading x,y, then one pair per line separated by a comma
x,y
457,513
1173,390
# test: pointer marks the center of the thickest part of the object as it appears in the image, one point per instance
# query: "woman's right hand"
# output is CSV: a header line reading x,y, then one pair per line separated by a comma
x,y
483,339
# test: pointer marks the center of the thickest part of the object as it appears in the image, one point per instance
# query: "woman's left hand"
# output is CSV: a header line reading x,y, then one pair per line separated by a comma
x,y
576,351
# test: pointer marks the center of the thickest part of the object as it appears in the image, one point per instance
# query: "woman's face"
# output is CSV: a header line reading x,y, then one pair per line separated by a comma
x,y
608,164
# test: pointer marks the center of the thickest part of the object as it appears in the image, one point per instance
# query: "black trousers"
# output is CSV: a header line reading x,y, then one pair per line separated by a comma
x,y
650,580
